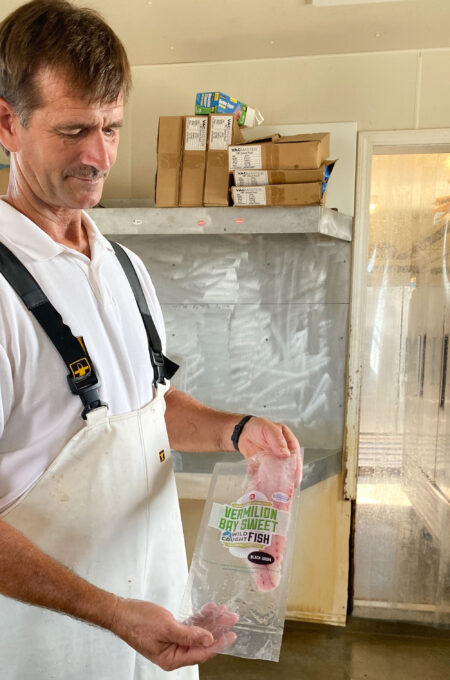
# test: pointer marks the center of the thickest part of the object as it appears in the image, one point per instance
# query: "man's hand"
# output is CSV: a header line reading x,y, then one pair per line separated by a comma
x,y
153,632
192,426
218,619
263,435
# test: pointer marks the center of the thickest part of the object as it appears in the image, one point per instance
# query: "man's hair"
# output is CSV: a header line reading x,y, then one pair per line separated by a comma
x,y
56,35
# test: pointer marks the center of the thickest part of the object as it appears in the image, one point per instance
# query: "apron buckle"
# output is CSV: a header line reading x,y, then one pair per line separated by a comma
x,y
88,395
157,360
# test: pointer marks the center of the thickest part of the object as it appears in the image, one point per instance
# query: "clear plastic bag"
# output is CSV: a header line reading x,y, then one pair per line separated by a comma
x,y
244,549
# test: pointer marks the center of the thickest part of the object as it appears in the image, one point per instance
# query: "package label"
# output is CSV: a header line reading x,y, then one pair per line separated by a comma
x,y
196,131
220,134
245,157
249,195
204,102
251,178
250,523
218,102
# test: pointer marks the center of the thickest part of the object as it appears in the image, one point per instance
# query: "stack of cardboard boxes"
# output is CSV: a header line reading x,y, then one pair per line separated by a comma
x,y
193,160
290,171
200,157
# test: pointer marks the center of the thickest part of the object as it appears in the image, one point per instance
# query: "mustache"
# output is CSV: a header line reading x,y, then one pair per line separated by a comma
x,y
87,172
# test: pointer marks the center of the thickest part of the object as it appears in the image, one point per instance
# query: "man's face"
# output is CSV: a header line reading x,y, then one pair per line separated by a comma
x,y
68,147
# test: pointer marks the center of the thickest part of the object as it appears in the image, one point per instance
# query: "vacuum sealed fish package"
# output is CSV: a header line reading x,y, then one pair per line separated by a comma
x,y
244,549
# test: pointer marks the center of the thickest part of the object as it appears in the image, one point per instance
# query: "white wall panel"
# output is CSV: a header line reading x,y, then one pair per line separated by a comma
x,y
434,103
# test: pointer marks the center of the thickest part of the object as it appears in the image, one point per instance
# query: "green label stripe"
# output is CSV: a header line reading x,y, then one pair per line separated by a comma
x,y
254,516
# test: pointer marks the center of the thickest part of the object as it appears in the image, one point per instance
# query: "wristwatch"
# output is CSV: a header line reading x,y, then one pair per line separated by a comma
x,y
238,431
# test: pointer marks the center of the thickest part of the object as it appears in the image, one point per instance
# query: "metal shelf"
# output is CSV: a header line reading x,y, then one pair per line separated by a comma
x,y
140,219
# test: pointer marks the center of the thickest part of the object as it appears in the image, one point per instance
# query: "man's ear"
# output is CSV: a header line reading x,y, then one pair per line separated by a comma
x,y
8,126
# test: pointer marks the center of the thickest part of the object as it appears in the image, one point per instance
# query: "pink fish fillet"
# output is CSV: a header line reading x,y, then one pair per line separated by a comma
x,y
276,478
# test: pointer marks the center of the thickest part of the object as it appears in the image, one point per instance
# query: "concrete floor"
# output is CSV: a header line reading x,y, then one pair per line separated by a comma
x,y
363,650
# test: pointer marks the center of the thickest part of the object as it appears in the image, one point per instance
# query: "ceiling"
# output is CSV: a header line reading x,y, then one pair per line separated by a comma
x,y
178,31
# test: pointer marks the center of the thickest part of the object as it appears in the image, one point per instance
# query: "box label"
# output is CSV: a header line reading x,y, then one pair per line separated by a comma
x,y
195,137
220,134
245,157
251,178
249,195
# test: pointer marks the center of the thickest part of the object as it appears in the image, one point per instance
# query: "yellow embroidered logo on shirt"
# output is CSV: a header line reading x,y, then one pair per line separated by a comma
x,y
162,456
80,368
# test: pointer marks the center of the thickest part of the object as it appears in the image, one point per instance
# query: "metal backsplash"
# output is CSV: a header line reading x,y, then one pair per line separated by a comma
x,y
258,322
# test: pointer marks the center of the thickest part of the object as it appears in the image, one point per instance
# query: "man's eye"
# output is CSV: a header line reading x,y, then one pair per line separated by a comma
x,y
109,132
72,133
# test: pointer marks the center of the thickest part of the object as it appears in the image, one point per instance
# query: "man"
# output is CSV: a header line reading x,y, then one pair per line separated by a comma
x,y
89,523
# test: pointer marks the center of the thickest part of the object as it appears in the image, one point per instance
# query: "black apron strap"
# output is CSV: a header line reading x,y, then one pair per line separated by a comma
x,y
163,367
82,378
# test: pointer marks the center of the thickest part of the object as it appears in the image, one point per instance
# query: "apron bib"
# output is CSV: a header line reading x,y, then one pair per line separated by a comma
x,y
107,507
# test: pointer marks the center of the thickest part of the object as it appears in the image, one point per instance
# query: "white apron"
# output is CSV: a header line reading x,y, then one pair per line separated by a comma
x,y
107,507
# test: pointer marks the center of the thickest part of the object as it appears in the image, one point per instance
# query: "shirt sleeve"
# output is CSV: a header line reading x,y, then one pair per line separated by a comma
x,y
6,389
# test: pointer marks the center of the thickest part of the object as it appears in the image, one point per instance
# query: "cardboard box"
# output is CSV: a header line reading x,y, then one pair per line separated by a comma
x,y
223,131
4,180
294,152
307,193
253,178
170,138
193,161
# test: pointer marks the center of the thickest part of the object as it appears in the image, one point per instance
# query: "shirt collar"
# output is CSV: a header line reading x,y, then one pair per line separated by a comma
x,y
98,243
28,238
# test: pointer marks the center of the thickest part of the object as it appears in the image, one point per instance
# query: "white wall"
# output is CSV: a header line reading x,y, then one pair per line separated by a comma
x,y
380,91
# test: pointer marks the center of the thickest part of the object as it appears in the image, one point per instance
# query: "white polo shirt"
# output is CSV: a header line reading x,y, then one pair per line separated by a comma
x,y
38,412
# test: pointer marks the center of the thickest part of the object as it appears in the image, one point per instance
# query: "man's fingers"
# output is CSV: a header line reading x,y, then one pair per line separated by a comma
x,y
219,630
291,439
227,619
191,636
264,436
222,624
195,655
225,641
295,450
214,618
277,441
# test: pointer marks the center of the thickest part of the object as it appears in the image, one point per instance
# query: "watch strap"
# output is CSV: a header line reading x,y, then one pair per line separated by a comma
x,y
238,431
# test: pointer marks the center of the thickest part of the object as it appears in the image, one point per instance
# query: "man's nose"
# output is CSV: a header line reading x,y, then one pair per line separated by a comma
x,y
96,151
